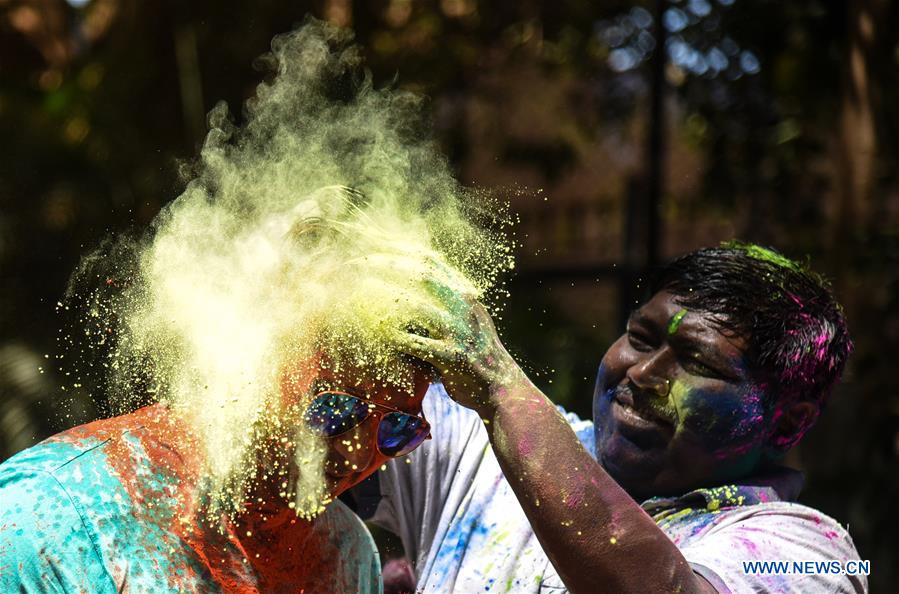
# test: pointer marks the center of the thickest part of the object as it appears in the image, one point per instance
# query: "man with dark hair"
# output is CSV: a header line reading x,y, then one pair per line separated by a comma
x,y
677,485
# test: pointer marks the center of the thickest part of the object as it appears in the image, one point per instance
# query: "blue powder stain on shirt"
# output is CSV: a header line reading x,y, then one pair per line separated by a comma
x,y
462,533
76,471
465,534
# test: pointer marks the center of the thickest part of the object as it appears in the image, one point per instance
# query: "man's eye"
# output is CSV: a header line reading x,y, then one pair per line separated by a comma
x,y
638,341
697,367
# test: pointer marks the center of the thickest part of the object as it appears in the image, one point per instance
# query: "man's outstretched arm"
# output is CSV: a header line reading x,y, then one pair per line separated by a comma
x,y
596,536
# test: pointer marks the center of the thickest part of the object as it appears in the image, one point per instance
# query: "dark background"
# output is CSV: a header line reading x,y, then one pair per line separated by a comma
x,y
621,143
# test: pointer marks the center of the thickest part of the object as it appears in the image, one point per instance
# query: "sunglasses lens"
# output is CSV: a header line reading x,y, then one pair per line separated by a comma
x,y
399,434
333,414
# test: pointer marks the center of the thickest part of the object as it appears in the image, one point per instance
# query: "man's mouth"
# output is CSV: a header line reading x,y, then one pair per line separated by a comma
x,y
338,467
639,411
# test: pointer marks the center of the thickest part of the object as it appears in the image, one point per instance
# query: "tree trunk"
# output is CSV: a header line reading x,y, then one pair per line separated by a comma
x,y
856,142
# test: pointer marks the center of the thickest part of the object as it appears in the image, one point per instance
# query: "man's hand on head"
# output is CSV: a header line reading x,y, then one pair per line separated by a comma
x,y
454,333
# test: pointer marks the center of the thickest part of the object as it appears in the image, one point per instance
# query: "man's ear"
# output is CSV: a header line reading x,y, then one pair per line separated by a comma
x,y
790,424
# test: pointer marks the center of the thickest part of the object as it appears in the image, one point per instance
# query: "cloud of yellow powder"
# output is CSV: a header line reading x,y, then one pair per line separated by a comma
x,y
308,227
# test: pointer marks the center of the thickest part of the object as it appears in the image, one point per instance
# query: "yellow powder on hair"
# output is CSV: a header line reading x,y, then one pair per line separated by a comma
x,y
313,226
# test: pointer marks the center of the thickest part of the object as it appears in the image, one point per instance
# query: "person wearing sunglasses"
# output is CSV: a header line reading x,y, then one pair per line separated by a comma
x,y
255,313
365,423
120,489
132,502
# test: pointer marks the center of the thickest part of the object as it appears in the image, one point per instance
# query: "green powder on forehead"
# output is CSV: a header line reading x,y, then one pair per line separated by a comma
x,y
675,322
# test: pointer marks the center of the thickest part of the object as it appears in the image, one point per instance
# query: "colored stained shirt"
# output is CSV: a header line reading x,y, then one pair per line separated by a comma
x,y
101,509
462,526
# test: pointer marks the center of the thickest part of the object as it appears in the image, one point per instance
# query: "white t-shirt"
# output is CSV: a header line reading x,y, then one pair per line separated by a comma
x,y
464,530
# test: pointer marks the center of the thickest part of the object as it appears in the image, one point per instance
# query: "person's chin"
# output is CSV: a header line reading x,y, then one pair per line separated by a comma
x,y
338,483
631,465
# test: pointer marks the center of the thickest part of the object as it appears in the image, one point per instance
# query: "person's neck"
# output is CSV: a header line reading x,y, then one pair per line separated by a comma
x,y
269,527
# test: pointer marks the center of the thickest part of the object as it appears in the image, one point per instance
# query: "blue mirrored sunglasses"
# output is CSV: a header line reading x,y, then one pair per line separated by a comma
x,y
334,413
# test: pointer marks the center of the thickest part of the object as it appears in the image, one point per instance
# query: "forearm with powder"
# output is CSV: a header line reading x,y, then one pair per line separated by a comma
x,y
593,532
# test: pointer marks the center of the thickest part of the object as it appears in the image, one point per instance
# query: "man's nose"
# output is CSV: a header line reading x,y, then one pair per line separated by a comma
x,y
652,372
358,446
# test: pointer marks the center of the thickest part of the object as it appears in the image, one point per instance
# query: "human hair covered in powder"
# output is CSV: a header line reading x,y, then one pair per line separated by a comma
x,y
308,228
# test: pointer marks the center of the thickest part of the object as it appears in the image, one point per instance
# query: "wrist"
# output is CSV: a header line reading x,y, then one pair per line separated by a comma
x,y
510,387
